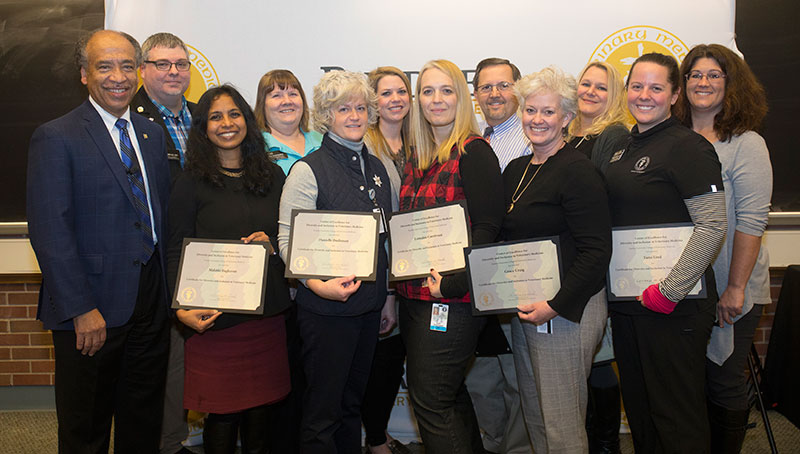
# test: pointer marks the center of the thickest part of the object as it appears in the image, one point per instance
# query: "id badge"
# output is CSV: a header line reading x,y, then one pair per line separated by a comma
x,y
545,328
439,313
383,219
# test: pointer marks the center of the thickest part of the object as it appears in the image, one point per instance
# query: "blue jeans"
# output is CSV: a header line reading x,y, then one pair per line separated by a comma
x,y
437,364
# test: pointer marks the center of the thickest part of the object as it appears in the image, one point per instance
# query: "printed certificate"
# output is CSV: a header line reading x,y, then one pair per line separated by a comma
x,y
645,255
503,275
227,275
428,238
328,244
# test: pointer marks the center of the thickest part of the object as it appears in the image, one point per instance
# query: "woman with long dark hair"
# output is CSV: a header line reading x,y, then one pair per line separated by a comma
x,y
723,101
236,365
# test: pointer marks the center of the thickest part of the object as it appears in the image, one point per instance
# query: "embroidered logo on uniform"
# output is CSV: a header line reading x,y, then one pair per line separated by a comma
x,y
617,156
641,164
377,180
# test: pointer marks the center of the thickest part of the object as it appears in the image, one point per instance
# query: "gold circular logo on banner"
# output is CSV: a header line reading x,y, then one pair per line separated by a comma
x,y
189,293
204,76
623,47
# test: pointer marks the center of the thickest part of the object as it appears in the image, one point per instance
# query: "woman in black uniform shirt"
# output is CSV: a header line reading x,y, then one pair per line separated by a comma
x,y
557,191
668,174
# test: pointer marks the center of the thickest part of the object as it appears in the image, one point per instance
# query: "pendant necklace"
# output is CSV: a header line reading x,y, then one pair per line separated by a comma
x,y
516,196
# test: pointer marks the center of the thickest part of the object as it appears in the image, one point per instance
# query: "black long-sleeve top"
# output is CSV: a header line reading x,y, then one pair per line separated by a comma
x,y
568,199
197,209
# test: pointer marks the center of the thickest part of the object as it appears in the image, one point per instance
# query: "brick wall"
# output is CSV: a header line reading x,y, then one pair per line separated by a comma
x,y
761,339
26,350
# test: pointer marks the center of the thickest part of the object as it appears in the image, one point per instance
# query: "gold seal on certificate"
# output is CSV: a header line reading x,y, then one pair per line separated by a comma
x,y
428,238
226,275
645,255
327,244
504,275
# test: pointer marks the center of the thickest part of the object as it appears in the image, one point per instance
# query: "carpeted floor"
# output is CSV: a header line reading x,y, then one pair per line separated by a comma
x,y
34,432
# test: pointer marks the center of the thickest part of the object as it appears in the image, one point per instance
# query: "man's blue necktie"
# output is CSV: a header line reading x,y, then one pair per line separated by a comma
x,y
136,180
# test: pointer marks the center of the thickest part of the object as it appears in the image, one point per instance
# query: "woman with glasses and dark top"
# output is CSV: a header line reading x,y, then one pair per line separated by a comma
x,y
598,131
450,162
236,365
667,174
388,139
557,191
723,101
338,318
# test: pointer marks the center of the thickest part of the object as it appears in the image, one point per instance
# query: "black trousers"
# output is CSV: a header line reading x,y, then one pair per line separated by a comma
x,y
337,357
726,385
124,379
661,361
384,382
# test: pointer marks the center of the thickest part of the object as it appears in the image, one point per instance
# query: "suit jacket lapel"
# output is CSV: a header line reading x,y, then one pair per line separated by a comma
x,y
99,133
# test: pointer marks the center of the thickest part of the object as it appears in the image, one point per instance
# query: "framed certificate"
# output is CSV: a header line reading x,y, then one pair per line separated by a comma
x,y
227,275
426,238
327,244
503,275
645,255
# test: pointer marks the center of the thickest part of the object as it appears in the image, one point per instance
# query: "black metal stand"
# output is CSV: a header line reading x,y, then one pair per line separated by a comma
x,y
754,363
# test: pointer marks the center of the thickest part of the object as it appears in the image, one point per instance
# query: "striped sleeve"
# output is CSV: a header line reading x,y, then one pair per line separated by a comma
x,y
710,223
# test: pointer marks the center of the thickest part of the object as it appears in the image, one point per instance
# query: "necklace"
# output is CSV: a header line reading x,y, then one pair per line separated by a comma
x,y
237,174
580,142
516,196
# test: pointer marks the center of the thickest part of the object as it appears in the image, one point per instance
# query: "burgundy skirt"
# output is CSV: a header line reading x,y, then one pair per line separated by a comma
x,y
237,368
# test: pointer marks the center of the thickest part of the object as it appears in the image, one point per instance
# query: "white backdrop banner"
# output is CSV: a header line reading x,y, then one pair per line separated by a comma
x,y
239,40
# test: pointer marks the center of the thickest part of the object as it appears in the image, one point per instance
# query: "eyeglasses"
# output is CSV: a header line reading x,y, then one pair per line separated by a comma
x,y
500,86
166,65
712,76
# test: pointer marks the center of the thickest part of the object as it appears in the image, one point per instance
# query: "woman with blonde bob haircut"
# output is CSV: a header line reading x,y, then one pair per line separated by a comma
x,y
282,114
599,129
557,191
451,162
339,318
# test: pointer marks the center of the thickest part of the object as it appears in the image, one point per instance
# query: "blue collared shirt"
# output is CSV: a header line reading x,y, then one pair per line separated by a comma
x,y
508,141
177,125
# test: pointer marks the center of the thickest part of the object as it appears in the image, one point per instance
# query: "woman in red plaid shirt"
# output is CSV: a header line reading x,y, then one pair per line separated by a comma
x,y
450,162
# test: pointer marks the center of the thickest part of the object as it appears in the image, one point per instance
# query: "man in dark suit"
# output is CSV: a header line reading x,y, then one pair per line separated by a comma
x,y
98,185
165,73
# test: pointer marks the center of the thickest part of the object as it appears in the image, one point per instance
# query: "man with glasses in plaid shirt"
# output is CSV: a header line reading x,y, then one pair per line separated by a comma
x,y
165,73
